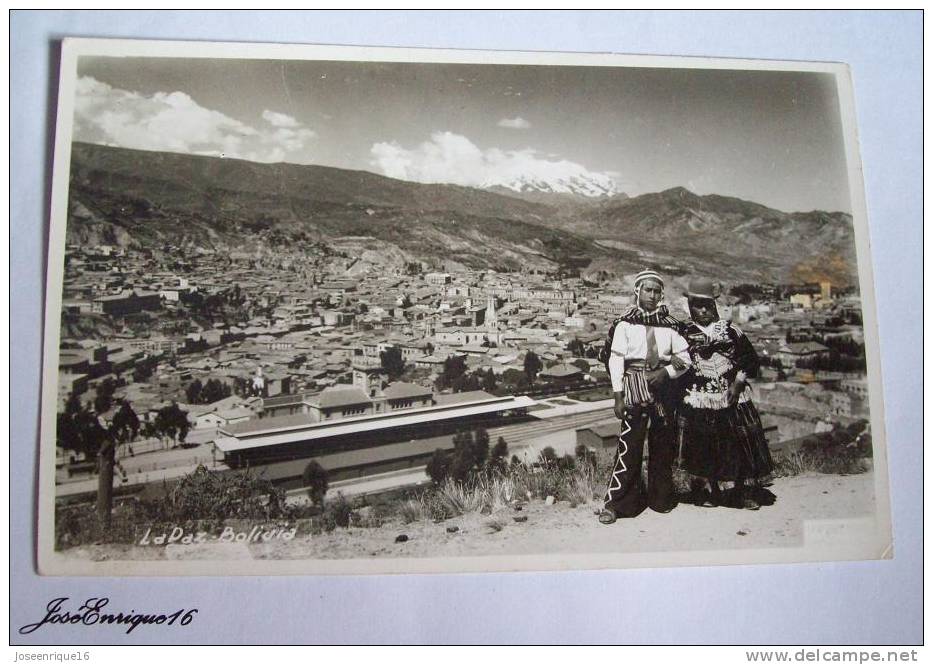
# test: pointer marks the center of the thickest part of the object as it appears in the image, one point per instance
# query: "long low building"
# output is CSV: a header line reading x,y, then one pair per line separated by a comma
x,y
271,440
359,463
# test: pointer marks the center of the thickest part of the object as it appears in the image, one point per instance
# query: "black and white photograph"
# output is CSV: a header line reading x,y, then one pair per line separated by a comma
x,y
335,310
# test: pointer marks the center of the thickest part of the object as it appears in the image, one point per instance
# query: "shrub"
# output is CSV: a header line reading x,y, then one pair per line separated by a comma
x,y
438,466
336,513
213,495
471,450
548,456
496,462
315,479
412,510
567,463
457,499
845,461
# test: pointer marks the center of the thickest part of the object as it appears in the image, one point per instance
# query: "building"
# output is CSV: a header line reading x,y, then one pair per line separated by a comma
x,y
130,301
791,352
599,435
857,387
437,278
271,440
562,373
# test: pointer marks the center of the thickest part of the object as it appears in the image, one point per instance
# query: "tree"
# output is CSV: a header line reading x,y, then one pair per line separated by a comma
x,y
480,447
144,369
193,391
242,386
532,365
392,362
315,479
454,368
213,391
515,378
497,455
461,464
581,365
466,383
438,466
125,424
469,456
80,430
489,380
103,400
575,346
585,456
172,422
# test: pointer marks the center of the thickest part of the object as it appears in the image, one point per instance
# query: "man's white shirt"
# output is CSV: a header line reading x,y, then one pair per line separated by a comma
x,y
630,342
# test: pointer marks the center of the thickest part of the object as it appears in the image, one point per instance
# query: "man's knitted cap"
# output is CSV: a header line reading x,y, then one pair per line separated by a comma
x,y
647,274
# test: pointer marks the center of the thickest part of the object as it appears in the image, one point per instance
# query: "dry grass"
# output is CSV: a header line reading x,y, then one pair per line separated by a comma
x,y
413,510
489,492
458,498
820,460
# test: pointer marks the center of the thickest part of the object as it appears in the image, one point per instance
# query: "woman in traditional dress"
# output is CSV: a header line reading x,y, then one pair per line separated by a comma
x,y
720,437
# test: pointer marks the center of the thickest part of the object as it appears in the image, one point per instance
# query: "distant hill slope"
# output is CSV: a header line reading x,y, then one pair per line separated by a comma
x,y
152,199
719,234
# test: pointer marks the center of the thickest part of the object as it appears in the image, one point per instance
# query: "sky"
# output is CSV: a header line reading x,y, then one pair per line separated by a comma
x,y
770,137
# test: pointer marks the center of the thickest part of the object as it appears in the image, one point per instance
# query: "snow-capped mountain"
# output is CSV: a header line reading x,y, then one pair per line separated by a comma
x,y
588,184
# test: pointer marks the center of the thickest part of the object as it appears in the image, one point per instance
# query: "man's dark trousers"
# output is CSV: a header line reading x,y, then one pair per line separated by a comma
x,y
626,493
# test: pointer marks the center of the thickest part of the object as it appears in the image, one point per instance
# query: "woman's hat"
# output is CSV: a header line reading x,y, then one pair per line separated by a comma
x,y
703,287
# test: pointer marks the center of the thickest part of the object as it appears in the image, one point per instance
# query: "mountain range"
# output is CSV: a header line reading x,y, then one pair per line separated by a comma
x,y
590,185
154,199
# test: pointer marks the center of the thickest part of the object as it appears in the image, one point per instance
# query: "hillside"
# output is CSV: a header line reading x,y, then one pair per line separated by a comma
x,y
151,199
688,233
131,197
562,528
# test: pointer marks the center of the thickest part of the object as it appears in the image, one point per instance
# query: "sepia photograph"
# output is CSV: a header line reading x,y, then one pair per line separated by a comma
x,y
326,310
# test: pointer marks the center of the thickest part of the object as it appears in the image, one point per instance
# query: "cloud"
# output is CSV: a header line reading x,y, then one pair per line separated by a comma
x,y
174,122
514,123
279,119
452,158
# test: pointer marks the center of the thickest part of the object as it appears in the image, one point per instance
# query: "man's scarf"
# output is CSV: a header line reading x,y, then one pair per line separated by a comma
x,y
659,318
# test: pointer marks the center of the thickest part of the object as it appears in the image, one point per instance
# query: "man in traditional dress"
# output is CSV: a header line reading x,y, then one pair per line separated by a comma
x,y
640,347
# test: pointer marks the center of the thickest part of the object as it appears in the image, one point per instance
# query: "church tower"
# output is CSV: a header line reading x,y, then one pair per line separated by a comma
x,y
492,322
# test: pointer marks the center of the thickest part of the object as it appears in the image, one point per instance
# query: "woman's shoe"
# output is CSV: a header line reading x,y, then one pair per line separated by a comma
x,y
607,516
763,496
750,504
704,499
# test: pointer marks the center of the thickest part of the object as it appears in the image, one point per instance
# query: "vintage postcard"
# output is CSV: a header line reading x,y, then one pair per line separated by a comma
x,y
322,310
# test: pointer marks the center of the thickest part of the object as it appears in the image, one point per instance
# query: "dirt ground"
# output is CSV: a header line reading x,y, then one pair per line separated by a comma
x,y
558,528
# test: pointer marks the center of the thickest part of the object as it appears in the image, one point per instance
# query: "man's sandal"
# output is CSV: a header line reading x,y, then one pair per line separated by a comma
x,y
607,516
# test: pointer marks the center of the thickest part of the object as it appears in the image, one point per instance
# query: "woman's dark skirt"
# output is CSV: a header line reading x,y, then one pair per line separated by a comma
x,y
723,444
